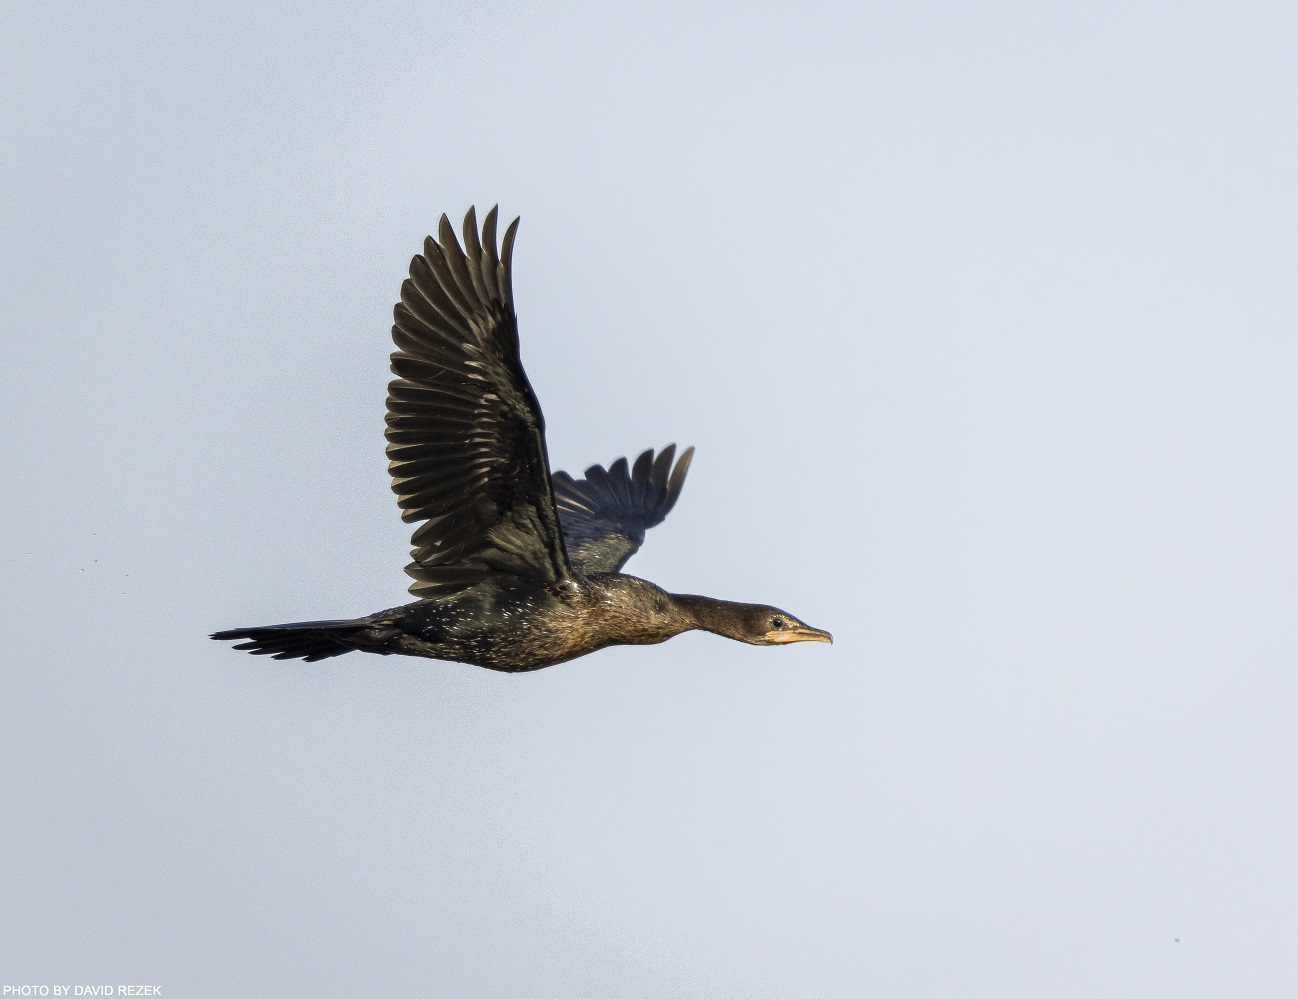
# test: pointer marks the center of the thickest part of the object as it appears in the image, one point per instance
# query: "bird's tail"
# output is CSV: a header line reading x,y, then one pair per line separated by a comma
x,y
309,640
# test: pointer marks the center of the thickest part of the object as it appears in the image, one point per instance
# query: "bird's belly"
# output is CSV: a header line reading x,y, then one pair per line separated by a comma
x,y
518,650
507,637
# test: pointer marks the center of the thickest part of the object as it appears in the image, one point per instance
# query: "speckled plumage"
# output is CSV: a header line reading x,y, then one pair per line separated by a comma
x,y
514,569
516,627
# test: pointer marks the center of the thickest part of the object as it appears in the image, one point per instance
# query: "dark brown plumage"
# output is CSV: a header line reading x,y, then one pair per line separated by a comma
x,y
514,568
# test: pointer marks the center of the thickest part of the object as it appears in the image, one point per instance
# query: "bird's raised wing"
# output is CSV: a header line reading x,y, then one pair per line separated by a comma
x,y
466,436
605,514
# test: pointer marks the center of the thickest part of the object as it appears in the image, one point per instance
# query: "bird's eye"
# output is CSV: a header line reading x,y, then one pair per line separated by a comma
x,y
778,622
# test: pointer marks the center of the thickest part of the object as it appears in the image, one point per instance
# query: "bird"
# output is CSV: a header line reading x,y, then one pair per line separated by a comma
x,y
515,568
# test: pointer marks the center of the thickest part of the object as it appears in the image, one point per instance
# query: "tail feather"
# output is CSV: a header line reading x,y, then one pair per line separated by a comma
x,y
307,640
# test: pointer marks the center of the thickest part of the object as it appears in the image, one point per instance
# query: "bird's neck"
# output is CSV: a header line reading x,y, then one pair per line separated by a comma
x,y
721,617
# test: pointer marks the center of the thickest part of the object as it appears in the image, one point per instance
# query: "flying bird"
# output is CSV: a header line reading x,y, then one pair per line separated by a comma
x,y
515,568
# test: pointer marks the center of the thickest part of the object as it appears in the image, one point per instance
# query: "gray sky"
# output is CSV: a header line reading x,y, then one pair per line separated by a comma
x,y
982,319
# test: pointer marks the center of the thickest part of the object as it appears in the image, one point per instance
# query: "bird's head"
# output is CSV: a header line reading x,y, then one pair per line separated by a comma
x,y
765,625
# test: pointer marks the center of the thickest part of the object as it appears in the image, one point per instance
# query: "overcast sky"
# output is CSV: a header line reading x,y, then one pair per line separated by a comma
x,y
982,318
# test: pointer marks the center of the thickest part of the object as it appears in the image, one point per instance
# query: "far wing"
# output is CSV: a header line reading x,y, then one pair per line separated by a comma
x,y
604,515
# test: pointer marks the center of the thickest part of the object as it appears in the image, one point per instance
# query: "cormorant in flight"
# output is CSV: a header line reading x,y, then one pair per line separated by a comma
x,y
515,568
